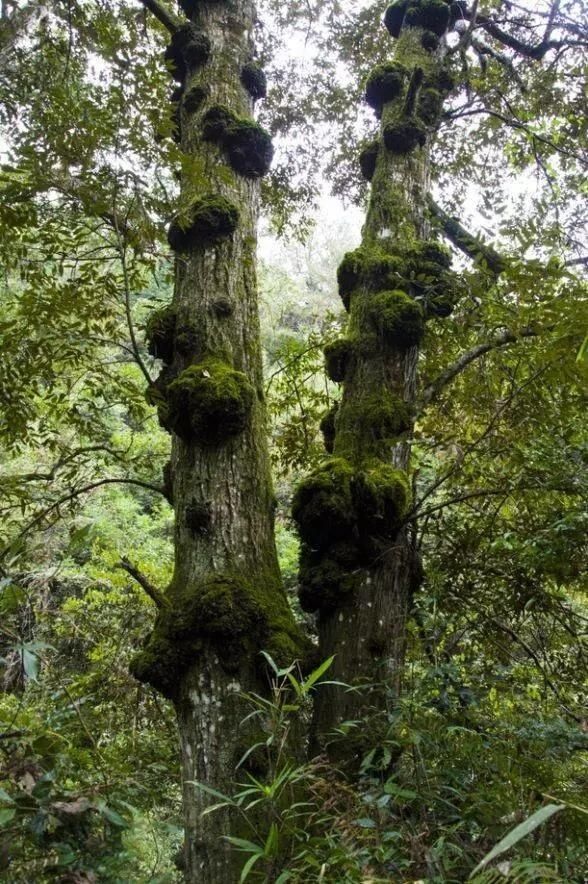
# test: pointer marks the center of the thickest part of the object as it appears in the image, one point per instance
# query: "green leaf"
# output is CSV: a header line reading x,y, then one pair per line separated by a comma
x,y
249,865
6,815
521,831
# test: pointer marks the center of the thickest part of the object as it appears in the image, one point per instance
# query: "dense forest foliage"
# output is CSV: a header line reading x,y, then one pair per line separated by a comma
x,y
480,732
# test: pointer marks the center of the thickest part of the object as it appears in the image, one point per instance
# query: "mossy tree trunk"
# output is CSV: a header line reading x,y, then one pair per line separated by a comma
x,y
360,572
225,602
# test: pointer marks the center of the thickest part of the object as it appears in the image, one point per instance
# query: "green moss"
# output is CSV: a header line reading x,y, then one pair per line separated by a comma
x,y
254,80
160,333
248,145
430,106
194,99
326,577
189,49
429,252
188,339
398,319
381,497
373,425
404,136
431,15
209,402
321,507
368,159
209,220
337,358
394,17
369,268
429,41
327,428
239,617
384,84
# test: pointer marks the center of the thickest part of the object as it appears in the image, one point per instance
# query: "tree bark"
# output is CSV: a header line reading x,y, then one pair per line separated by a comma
x,y
363,622
225,602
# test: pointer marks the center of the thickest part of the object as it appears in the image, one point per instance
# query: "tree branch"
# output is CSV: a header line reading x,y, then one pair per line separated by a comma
x,y
469,244
536,52
152,591
505,338
162,14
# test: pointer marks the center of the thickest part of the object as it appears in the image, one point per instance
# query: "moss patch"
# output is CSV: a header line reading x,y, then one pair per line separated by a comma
x,y
398,319
188,50
337,358
248,145
160,333
368,159
384,84
328,576
431,15
404,136
381,497
430,106
194,98
188,339
254,80
327,428
238,616
394,17
429,41
210,220
209,402
372,426
367,267
321,507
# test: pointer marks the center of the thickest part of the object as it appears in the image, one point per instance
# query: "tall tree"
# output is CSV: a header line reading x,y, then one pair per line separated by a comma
x,y
359,566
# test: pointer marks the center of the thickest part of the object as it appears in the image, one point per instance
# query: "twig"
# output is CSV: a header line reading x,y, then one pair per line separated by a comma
x,y
152,591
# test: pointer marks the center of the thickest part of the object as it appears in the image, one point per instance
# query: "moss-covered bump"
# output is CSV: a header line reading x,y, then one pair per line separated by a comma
x,y
328,429
368,158
367,267
210,220
394,17
160,332
429,41
372,425
327,576
198,518
254,80
337,358
194,99
398,319
209,402
248,145
188,339
189,49
238,616
404,136
384,84
322,507
381,497
430,251
431,15
430,106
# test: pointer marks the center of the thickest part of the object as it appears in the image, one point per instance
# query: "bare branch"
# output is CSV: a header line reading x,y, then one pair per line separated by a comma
x,y
469,244
505,338
162,14
152,591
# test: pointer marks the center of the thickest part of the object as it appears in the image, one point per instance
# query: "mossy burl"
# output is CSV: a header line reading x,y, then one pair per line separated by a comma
x,y
194,99
394,17
404,135
431,15
430,106
381,496
429,41
372,425
209,402
368,158
248,145
188,49
254,80
327,576
398,319
328,428
238,616
322,505
384,84
198,517
208,221
338,355
368,267
160,331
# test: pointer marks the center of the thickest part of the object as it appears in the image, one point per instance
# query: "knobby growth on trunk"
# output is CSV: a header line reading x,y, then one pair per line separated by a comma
x,y
359,566
225,602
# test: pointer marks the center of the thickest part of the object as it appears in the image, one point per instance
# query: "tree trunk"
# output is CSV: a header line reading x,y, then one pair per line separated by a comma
x,y
225,602
360,574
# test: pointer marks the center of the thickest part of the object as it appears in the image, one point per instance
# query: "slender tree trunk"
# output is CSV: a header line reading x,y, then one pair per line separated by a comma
x,y
361,574
225,602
